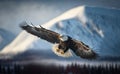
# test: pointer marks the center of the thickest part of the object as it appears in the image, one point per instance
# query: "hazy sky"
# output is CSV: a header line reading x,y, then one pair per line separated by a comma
x,y
12,13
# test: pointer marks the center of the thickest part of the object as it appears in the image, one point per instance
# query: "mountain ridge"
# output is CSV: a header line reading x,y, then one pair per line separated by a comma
x,y
87,26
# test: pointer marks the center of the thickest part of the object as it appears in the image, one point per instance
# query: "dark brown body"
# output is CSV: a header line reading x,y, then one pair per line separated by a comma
x,y
64,45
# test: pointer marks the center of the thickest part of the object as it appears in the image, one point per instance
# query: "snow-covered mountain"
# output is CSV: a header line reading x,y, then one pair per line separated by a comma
x,y
24,40
5,38
97,27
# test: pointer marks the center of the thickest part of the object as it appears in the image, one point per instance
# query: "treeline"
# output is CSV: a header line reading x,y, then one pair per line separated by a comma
x,y
53,69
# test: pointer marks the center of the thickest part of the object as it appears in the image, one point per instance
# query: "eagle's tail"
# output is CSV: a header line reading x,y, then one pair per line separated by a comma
x,y
60,52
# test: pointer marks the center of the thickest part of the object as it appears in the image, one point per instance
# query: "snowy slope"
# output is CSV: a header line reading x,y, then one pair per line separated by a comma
x,y
97,27
24,40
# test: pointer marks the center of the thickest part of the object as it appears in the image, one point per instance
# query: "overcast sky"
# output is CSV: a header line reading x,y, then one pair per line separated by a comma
x,y
12,13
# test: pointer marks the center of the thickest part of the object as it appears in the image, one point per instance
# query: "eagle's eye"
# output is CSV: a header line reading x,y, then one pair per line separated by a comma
x,y
63,37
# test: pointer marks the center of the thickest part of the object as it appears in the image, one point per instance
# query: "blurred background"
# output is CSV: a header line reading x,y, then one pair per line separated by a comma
x,y
96,23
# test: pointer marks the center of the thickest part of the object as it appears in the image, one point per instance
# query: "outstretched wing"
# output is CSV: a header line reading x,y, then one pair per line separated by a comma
x,y
82,50
41,32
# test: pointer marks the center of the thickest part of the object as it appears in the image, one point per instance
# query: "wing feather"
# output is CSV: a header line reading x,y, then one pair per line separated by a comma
x,y
82,50
41,32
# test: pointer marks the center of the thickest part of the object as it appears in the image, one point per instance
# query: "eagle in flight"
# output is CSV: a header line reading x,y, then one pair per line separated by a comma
x,y
63,44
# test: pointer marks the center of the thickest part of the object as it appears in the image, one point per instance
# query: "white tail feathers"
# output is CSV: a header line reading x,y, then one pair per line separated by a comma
x,y
60,52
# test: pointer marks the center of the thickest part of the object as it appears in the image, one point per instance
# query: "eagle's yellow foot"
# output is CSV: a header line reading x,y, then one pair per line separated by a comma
x,y
58,50
62,52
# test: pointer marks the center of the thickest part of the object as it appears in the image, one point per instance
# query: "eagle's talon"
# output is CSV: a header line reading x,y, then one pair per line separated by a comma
x,y
57,50
62,52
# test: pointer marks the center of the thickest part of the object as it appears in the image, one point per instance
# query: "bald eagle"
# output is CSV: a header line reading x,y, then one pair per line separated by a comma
x,y
63,44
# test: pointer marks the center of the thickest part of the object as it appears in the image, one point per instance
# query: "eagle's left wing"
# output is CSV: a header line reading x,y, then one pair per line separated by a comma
x,y
41,32
82,50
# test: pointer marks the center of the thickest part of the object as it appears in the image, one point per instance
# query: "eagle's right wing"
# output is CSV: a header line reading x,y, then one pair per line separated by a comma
x,y
41,32
82,50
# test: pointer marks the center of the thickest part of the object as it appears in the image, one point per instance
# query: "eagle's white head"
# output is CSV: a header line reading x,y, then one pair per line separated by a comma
x,y
63,37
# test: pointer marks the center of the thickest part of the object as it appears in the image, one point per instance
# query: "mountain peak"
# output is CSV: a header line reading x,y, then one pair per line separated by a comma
x,y
91,25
